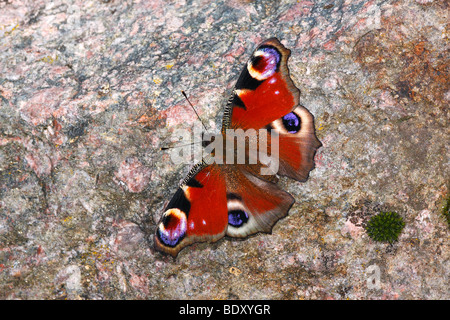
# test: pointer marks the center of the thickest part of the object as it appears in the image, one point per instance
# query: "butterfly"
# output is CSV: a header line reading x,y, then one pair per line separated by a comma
x,y
236,200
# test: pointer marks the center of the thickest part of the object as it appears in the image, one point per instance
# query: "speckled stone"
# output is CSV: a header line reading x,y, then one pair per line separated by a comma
x,y
91,90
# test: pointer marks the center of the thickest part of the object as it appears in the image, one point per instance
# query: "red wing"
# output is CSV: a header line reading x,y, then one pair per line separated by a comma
x,y
266,97
264,91
297,143
214,202
196,213
254,204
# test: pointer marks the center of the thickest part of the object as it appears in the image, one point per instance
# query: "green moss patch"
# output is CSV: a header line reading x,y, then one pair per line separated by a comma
x,y
385,226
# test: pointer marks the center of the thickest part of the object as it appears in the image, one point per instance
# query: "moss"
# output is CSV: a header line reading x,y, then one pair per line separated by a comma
x,y
446,209
385,227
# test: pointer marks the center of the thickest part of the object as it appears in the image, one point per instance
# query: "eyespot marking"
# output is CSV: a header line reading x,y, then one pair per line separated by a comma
x,y
233,196
237,218
292,122
264,63
172,228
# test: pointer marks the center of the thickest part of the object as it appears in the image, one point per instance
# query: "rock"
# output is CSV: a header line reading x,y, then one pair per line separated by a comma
x,y
91,91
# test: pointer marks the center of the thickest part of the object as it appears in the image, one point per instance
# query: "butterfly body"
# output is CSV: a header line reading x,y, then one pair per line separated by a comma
x,y
221,197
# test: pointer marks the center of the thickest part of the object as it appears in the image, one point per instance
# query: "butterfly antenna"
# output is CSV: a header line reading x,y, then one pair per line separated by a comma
x,y
180,145
184,94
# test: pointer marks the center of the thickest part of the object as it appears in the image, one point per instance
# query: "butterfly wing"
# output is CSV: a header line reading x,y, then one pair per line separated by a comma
x,y
196,213
266,97
264,91
254,204
297,143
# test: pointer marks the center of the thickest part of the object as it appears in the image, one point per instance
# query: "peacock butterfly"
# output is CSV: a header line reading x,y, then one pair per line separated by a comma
x,y
220,199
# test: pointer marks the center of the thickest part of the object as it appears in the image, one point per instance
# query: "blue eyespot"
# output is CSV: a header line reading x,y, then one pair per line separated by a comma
x,y
291,122
237,218
264,62
172,228
273,53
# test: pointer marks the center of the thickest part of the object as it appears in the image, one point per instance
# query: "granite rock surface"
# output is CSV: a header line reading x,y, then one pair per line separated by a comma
x,y
91,90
